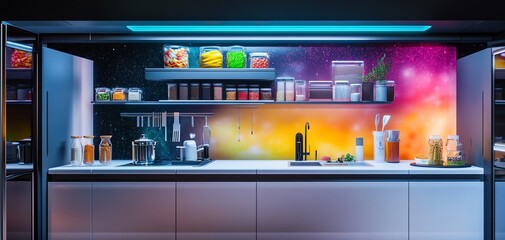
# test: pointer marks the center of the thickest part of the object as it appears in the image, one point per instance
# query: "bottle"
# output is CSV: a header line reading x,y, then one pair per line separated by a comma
x,y
454,151
392,146
359,149
76,151
381,91
105,149
89,150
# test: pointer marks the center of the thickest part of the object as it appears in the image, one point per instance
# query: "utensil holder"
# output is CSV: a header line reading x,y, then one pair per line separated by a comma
x,y
378,146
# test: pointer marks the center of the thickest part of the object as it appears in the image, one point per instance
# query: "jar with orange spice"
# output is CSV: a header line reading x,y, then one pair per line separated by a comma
x,y
89,150
105,149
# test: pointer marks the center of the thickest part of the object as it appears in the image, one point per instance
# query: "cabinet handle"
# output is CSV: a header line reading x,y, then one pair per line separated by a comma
x,y
47,123
482,124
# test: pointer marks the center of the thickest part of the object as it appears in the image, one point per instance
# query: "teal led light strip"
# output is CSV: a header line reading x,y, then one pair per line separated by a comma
x,y
19,46
273,29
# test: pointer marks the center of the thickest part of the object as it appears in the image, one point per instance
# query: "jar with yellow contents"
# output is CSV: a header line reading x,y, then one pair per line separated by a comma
x,y
211,57
89,150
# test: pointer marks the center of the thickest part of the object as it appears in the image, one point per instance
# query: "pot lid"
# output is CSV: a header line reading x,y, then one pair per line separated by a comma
x,y
144,139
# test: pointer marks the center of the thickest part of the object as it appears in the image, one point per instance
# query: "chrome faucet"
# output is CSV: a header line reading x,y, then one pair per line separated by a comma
x,y
305,152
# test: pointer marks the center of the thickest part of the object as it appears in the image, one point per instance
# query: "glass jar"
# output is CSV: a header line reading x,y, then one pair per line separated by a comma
x,y
242,93
183,91
454,151
134,94
119,94
279,96
76,151
172,91
211,57
351,71
390,90
206,91
392,146
356,92
254,92
236,57
105,149
265,94
300,90
259,60
435,150
289,89
102,94
89,150
381,91
195,91
341,91
218,91
175,56
231,92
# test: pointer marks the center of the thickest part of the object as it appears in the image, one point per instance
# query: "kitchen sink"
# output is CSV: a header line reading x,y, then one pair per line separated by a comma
x,y
170,163
327,164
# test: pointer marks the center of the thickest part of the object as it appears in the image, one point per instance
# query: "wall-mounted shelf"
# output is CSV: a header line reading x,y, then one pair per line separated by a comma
x,y
257,74
19,73
499,102
226,102
22,102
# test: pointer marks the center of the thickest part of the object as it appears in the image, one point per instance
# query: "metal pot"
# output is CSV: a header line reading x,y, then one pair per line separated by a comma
x,y
25,151
143,150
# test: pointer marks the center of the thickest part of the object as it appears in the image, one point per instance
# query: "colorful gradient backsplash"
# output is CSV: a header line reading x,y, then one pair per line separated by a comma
x,y
425,104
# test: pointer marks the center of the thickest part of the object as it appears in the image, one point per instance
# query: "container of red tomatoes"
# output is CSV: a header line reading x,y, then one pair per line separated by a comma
x,y
175,56
21,59
259,60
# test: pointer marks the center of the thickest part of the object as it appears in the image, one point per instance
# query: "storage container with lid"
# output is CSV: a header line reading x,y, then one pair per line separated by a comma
x,y
351,71
89,150
231,92
195,91
206,91
380,91
265,94
76,151
289,89
172,91
211,57
236,57
435,150
341,91
259,60
134,94
254,92
390,85
355,95
175,56
320,91
105,150
454,151
25,150
143,150
242,92
119,94
218,91
300,90
183,91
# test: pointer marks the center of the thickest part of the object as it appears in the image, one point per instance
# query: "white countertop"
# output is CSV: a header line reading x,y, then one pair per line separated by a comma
x,y
261,167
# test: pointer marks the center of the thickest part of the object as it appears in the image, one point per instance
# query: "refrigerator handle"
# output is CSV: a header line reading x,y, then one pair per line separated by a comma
x,y
482,124
47,123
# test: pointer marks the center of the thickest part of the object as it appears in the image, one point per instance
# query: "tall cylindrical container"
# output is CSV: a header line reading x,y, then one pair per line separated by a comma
x,y
359,149
76,151
392,146
435,156
378,146
89,150
105,149
381,92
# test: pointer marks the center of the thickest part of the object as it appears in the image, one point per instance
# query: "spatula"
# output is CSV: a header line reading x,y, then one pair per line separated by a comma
x,y
377,120
385,121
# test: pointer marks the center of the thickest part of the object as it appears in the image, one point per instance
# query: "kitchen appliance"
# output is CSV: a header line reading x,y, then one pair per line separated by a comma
x,y
143,150
190,150
25,151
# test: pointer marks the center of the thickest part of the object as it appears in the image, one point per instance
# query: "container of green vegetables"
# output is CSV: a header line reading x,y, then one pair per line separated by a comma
x,y
236,57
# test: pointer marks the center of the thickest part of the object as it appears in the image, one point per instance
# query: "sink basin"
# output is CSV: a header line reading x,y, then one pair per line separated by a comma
x,y
170,163
327,164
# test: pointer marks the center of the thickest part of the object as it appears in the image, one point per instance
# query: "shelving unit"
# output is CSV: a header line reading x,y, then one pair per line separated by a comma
x,y
212,74
19,102
227,102
19,73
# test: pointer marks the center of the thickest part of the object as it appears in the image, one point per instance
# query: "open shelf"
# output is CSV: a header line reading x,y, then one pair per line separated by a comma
x,y
19,102
257,74
223,102
19,73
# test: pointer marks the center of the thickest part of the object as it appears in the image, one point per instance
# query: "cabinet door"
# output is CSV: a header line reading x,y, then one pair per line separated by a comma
x,y
19,210
133,210
69,210
216,210
332,210
446,210
500,210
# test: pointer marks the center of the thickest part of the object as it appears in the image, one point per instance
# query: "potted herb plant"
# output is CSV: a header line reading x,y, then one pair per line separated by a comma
x,y
376,74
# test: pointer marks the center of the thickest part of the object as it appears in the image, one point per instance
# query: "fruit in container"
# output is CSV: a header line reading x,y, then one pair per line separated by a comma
x,y
176,56
211,57
21,59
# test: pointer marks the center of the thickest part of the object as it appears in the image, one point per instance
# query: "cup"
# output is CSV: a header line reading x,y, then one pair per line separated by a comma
x,y
378,146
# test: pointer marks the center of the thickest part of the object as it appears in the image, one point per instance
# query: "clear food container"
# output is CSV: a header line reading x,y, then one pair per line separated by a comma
x,y
341,91
356,92
381,91
102,94
435,150
76,151
265,94
231,92
242,92
300,90
172,91
236,57
206,91
211,57
320,91
351,71
218,91
259,60
134,94
183,91
195,91
289,89
89,150
175,56
254,92
119,94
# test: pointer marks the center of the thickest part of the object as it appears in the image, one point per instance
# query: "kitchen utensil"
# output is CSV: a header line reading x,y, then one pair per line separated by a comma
x,y
164,123
138,121
148,121
192,127
141,121
176,128
377,119
206,132
143,150
385,120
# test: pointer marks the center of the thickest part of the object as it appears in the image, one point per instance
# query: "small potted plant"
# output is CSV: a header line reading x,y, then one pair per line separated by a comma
x,y
377,73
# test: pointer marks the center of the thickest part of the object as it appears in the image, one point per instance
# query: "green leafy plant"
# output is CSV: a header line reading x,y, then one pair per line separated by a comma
x,y
378,72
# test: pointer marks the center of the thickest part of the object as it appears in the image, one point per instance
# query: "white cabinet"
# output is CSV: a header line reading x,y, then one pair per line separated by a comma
x,y
332,210
133,210
69,210
216,210
500,210
446,210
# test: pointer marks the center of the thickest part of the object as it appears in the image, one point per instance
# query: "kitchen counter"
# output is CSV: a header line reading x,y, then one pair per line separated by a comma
x,y
265,167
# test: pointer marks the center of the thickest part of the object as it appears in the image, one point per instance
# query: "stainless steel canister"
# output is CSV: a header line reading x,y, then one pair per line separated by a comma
x,y
143,150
